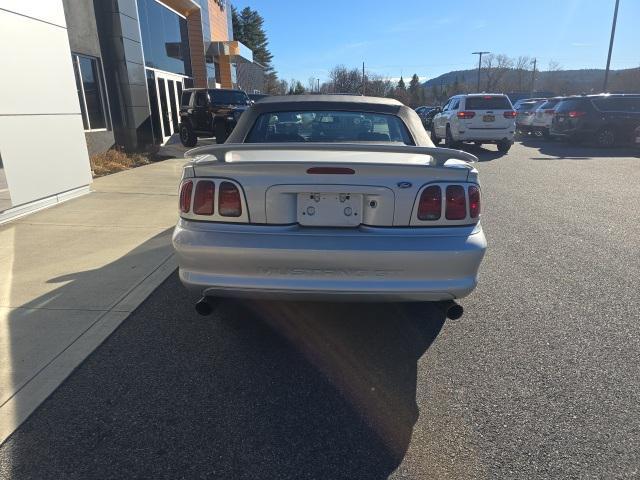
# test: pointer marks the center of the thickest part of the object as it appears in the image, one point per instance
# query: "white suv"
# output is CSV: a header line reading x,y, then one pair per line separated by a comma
x,y
479,118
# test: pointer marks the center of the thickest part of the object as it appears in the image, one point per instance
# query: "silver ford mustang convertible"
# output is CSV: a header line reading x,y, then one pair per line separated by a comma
x,y
327,197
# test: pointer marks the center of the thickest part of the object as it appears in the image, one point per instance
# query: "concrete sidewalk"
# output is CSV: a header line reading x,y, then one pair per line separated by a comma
x,y
69,275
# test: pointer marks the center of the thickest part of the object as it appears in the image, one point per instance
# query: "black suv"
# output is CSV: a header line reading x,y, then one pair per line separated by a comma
x,y
607,120
208,112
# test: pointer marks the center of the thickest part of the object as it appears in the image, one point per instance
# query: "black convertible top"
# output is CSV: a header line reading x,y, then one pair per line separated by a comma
x,y
352,103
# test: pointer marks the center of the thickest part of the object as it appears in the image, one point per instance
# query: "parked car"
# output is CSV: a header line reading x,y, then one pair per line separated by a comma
x,y
426,114
479,118
544,116
210,112
358,205
606,119
525,113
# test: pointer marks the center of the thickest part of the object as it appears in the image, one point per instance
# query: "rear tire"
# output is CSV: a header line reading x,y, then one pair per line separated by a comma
x,y
187,137
605,137
434,137
503,147
449,142
220,130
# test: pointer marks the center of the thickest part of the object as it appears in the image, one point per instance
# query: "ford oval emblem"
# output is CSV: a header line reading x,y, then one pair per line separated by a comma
x,y
404,185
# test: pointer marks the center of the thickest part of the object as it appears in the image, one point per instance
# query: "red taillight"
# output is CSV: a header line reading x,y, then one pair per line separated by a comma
x,y
576,114
456,203
550,111
229,204
510,114
430,204
466,114
474,201
203,199
185,196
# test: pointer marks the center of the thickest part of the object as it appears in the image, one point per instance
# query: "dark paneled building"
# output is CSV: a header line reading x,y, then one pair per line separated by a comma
x,y
132,58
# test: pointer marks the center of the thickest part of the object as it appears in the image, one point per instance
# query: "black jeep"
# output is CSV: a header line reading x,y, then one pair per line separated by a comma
x,y
208,112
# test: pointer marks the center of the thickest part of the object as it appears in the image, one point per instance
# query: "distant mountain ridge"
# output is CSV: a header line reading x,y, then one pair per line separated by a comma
x,y
575,80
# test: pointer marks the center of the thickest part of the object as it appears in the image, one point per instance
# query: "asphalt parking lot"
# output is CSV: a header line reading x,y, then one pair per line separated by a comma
x,y
539,379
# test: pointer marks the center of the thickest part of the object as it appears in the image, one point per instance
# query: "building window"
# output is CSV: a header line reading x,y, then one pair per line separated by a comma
x,y
91,92
165,38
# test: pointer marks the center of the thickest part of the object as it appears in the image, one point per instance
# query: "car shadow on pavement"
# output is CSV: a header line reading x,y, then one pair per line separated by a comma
x,y
484,154
258,390
557,150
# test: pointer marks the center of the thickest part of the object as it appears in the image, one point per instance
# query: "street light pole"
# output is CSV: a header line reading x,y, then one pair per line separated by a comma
x,y
613,33
479,65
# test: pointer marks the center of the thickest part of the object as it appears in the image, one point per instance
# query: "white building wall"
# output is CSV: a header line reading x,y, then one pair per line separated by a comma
x,y
42,140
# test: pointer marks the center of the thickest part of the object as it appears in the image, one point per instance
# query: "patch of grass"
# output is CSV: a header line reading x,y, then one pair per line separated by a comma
x,y
114,160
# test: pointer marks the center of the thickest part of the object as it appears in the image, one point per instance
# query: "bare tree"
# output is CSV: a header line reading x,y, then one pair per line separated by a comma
x,y
496,67
312,84
522,71
344,80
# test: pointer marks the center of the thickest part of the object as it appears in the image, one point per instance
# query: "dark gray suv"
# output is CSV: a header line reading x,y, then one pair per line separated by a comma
x,y
605,119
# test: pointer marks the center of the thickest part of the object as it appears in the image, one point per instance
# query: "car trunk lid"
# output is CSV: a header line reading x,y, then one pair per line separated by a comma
x,y
313,186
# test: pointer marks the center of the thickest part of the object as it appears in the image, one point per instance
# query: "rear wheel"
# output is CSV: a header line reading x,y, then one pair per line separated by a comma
x,y
434,137
449,142
605,137
187,136
220,130
504,146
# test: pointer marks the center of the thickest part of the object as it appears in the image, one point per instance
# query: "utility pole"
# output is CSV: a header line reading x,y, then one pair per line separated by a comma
x,y
533,76
318,80
613,33
364,83
479,65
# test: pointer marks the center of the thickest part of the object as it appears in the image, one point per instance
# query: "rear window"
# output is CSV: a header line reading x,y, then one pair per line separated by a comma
x,y
487,103
526,106
328,126
571,104
549,104
229,97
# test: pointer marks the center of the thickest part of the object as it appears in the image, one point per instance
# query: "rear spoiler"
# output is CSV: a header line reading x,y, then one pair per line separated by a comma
x,y
439,155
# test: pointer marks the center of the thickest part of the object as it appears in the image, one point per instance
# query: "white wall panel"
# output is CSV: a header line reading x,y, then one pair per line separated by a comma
x,y
43,155
50,11
41,134
36,64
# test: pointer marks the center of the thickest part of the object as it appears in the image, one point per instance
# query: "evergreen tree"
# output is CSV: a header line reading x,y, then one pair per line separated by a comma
x,y
248,28
296,88
400,92
415,91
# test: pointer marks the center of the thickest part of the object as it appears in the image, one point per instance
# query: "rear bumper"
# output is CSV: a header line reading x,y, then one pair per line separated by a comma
x,y
572,133
363,264
487,135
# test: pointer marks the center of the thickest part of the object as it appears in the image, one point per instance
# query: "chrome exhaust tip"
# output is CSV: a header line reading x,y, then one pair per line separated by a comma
x,y
204,306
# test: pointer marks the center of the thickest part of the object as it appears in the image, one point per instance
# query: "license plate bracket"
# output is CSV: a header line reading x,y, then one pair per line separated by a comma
x,y
329,209
488,118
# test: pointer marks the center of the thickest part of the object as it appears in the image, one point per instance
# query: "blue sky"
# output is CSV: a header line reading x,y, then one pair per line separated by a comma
x,y
308,38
